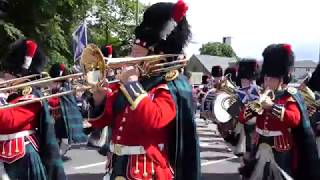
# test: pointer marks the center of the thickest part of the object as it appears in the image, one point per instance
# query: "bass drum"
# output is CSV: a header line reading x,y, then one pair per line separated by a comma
x,y
206,110
226,107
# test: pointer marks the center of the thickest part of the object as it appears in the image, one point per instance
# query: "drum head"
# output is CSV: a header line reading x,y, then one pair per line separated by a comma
x,y
221,105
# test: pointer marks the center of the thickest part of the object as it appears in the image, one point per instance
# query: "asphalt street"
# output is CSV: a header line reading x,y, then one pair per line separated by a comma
x,y
217,160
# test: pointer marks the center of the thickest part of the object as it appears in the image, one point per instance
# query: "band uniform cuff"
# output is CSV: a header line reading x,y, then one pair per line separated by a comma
x,y
134,93
278,111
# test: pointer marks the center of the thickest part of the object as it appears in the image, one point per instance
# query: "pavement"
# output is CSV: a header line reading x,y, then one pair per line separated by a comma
x,y
217,160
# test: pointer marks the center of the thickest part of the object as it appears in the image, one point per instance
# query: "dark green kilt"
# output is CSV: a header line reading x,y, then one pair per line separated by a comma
x,y
29,167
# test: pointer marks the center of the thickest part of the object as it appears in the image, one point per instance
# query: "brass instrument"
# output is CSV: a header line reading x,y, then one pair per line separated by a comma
x,y
12,82
94,68
309,98
256,106
227,86
225,103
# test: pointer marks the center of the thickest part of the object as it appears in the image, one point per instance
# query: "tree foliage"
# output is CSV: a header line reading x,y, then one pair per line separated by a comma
x,y
51,23
217,49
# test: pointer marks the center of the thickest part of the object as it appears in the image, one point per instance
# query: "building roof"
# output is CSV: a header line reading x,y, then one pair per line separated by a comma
x,y
305,64
301,64
208,61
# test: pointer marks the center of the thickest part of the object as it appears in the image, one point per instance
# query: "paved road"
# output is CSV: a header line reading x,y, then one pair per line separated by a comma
x,y
217,162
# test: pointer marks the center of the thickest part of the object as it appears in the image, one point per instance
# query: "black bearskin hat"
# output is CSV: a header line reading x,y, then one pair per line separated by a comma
x,y
58,70
248,69
314,82
216,71
205,79
3,8
164,28
108,51
278,59
233,73
25,57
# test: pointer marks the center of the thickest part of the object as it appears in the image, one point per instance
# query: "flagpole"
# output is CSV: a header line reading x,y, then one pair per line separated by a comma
x,y
319,54
137,10
85,30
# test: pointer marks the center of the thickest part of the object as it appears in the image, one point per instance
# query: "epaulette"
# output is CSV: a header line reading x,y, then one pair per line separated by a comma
x,y
171,75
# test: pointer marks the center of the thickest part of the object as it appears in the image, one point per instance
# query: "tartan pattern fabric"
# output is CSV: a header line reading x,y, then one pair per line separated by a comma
x,y
185,152
29,167
72,118
49,148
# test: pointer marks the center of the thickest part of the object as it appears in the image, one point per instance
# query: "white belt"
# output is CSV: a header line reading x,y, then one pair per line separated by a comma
x,y
7,137
268,133
121,150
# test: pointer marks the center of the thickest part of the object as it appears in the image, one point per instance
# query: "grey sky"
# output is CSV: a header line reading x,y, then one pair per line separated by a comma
x,y
254,24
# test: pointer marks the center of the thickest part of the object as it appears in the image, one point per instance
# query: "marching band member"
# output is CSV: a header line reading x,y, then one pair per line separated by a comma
x,y
233,131
153,130
284,144
216,73
232,72
29,149
65,112
202,90
230,131
210,91
248,72
313,83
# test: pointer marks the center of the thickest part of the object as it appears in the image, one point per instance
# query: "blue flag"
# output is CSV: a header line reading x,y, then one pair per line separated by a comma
x,y
80,40
247,94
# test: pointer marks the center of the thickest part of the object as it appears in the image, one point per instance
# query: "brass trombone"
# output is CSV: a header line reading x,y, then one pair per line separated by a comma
x,y
11,82
94,66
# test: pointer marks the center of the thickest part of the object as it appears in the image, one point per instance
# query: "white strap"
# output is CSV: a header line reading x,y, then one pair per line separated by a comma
x,y
7,137
268,133
121,150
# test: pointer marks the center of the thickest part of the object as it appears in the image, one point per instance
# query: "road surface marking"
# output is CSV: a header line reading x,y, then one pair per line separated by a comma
x,y
203,164
218,161
90,165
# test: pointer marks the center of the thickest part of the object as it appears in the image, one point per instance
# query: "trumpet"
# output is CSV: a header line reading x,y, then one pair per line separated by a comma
x,y
256,106
94,67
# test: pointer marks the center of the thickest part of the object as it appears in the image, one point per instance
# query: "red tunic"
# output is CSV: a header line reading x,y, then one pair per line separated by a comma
x,y
147,126
22,119
268,122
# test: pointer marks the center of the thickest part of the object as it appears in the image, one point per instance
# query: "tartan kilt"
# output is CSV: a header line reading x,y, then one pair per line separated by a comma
x,y
29,167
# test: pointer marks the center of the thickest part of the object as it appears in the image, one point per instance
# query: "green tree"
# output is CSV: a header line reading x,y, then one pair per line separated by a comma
x,y
217,49
116,23
51,23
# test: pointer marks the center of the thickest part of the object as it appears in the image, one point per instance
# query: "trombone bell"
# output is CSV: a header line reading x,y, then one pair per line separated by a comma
x,y
93,65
